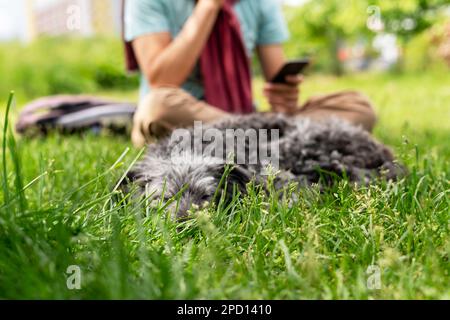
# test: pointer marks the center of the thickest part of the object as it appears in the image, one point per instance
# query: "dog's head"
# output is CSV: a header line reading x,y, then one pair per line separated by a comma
x,y
189,181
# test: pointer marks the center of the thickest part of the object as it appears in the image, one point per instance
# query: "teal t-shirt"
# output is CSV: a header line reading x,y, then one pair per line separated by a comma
x,y
262,23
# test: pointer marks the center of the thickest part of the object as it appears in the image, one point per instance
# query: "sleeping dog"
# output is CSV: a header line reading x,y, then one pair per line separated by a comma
x,y
299,150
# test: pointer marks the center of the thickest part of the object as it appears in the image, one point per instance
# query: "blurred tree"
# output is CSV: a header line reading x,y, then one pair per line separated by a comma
x,y
319,28
407,19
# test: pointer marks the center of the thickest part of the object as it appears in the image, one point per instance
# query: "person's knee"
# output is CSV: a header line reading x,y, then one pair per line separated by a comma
x,y
371,119
157,103
361,108
348,105
152,114
367,112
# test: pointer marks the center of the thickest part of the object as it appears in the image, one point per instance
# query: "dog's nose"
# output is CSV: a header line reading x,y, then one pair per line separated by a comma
x,y
183,208
182,214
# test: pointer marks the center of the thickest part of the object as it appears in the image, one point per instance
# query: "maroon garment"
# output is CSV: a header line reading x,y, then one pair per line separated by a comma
x,y
224,65
131,62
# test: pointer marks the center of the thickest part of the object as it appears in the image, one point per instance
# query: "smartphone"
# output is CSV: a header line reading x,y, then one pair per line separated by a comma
x,y
291,68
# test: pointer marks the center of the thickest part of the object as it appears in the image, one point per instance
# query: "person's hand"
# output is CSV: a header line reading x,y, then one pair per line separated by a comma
x,y
217,4
284,97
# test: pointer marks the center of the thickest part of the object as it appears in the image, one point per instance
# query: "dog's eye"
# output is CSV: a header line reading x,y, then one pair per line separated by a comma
x,y
205,197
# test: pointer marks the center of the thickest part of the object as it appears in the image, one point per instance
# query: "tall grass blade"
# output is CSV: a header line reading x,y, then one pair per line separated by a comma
x,y
4,142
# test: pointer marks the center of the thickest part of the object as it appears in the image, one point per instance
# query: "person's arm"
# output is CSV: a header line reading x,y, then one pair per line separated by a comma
x,y
271,58
169,62
281,97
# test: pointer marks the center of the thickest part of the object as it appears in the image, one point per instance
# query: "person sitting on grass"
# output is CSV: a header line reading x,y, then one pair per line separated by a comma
x,y
195,56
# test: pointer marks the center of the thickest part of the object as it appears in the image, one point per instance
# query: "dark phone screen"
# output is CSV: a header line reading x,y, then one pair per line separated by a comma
x,y
291,68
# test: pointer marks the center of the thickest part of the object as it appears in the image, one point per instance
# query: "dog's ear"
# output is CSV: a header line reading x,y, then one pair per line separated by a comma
x,y
239,177
233,176
126,184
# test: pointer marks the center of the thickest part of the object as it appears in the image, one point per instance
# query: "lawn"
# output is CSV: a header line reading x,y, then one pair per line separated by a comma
x,y
387,241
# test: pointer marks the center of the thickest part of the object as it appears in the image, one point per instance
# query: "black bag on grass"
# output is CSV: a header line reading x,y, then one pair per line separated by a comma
x,y
75,113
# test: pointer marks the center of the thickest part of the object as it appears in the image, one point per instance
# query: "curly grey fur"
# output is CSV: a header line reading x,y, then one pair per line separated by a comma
x,y
310,152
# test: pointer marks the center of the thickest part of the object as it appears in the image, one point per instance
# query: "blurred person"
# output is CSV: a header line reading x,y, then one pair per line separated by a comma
x,y
195,57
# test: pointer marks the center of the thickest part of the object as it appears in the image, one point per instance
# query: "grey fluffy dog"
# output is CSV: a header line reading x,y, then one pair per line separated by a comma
x,y
308,152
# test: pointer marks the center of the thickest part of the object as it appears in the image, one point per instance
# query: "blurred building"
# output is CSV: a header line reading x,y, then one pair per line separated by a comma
x,y
75,17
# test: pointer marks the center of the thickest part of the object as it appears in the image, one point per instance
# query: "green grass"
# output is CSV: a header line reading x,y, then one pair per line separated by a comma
x,y
58,210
